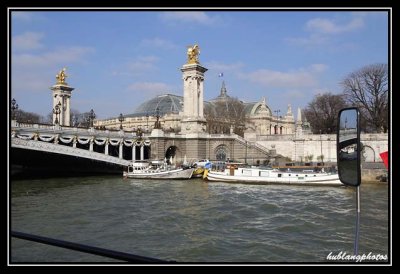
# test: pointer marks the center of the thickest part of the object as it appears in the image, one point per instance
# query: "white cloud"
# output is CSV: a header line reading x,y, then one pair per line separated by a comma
x,y
27,41
295,94
312,40
49,59
327,26
34,73
158,43
22,16
150,87
321,30
221,67
140,65
197,17
301,78
319,67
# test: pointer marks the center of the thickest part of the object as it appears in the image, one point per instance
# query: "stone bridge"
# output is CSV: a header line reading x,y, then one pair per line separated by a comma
x,y
121,147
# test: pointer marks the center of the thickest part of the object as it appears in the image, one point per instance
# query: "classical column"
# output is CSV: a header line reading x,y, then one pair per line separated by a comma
x,y
193,95
56,139
67,115
91,144
133,152
61,95
121,145
106,147
142,152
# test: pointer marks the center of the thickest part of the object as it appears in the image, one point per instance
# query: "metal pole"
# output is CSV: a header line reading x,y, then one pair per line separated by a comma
x,y
358,208
245,157
320,139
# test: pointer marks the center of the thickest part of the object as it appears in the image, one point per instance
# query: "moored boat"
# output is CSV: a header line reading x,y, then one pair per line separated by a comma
x,y
259,175
198,172
156,170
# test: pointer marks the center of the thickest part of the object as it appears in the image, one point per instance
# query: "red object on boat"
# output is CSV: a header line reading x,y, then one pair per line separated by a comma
x,y
384,156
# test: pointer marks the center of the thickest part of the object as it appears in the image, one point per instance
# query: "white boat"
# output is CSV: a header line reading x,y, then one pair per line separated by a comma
x,y
259,175
156,170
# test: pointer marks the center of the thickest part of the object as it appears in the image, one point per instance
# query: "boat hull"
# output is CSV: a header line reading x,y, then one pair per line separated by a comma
x,y
167,174
326,180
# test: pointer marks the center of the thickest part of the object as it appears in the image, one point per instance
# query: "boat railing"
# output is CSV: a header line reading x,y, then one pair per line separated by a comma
x,y
132,258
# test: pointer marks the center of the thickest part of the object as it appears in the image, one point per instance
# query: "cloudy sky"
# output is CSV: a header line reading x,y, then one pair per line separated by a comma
x,y
116,60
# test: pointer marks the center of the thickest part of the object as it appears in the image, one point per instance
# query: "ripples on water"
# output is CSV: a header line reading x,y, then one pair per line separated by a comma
x,y
194,221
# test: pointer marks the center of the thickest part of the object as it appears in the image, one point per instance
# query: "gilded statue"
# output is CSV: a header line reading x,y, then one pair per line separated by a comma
x,y
193,54
61,76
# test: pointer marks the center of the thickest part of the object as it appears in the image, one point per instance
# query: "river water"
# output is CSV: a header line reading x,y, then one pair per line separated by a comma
x,y
194,221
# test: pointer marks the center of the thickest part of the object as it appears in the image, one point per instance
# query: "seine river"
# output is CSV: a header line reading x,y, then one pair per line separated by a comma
x,y
194,221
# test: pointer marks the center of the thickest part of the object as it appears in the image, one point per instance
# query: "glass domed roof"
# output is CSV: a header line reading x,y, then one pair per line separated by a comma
x,y
166,103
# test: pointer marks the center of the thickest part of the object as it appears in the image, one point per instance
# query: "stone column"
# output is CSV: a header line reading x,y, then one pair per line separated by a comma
x,y
67,117
62,94
91,144
142,152
74,141
133,152
121,145
193,114
106,147
56,139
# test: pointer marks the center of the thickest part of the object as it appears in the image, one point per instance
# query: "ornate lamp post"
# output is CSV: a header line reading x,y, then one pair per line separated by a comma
x,y
139,133
14,108
121,119
92,115
57,111
74,120
157,124
147,119
277,121
320,138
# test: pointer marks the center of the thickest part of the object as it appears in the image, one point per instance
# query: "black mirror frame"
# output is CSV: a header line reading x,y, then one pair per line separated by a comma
x,y
358,147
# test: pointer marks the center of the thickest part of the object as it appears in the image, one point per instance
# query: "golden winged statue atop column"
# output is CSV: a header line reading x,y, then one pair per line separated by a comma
x,y
193,54
61,76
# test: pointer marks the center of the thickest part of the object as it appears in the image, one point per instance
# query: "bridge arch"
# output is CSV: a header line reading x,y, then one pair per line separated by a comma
x,y
368,154
175,153
222,153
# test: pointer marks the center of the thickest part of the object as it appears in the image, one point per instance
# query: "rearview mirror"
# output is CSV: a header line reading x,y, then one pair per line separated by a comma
x,y
348,146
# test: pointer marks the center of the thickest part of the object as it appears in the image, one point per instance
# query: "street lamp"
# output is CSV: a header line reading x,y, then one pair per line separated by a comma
x,y
14,108
74,120
121,119
277,120
147,119
57,111
92,115
157,124
320,138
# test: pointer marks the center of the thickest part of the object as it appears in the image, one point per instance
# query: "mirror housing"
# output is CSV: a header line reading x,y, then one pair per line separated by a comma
x,y
349,147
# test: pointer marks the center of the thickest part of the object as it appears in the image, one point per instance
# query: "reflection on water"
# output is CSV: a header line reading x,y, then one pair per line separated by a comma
x,y
194,221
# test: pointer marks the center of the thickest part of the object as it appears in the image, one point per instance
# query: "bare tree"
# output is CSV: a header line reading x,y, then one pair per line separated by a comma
x,y
28,117
367,88
223,114
322,112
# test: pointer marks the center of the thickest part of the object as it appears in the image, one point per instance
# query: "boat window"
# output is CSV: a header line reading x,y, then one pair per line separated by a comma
x,y
264,173
279,175
290,174
246,172
306,175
